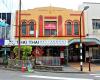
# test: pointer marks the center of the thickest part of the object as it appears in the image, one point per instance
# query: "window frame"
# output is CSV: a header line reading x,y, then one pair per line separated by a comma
x,y
68,21
94,23
76,21
54,35
33,27
21,27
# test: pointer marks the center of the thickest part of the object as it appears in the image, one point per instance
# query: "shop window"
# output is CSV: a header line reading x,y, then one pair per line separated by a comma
x,y
96,53
69,28
96,23
31,29
0,16
50,28
23,28
4,16
76,28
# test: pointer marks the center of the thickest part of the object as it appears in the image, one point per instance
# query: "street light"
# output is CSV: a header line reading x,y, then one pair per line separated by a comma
x,y
81,58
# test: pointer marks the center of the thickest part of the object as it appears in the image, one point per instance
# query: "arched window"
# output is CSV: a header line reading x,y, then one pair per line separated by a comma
x,y
31,28
76,29
24,28
69,28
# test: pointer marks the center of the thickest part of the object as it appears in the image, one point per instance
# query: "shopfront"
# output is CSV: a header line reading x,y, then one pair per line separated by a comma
x,y
90,48
45,50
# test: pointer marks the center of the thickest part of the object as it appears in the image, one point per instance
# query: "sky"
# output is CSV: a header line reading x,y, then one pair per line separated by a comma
x,y
12,5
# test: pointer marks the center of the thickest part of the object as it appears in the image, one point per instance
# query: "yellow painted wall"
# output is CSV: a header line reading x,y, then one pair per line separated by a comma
x,y
66,14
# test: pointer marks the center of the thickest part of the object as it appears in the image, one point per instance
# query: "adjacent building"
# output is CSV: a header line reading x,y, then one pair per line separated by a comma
x,y
5,24
92,29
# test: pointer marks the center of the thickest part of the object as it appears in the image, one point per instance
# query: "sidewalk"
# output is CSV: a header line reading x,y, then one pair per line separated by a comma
x,y
66,69
71,68
94,67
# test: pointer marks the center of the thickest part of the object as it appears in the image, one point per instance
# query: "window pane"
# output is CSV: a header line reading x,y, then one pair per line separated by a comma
x,y
23,28
9,18
0,15
31,28
53,32
69,28
47,32
4,16
50,28
96,23
76,31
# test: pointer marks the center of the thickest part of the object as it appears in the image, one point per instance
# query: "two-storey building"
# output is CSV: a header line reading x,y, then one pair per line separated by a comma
x,y
50,30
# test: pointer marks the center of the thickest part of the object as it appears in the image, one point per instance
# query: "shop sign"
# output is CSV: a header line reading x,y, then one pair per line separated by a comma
x,y
38,42
1,42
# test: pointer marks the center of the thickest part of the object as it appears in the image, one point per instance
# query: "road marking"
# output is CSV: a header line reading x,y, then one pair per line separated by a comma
x,y
95,74
54,78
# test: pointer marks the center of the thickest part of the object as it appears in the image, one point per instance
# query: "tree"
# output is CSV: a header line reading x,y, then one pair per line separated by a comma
x,y
26,50
15,50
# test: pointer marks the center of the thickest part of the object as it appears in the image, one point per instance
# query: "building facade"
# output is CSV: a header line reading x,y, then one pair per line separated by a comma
x,y
55,32
51,28
5,24
50,31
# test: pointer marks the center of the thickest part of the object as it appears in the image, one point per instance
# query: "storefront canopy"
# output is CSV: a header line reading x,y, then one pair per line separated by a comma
x,y
87,41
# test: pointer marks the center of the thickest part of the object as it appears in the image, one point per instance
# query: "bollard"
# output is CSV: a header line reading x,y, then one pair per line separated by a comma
x,y
23,68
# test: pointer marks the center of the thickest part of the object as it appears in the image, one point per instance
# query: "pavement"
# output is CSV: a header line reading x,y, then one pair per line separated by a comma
x,y
93,67
70,68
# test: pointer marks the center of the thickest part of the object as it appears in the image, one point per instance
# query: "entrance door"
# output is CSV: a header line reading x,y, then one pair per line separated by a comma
x,y
1,58
74,55
66,56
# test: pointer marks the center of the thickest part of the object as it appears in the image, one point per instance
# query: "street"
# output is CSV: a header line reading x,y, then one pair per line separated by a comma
x,y
18,75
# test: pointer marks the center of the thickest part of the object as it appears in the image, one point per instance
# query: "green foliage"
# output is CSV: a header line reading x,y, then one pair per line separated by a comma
x,y
26,50
15,50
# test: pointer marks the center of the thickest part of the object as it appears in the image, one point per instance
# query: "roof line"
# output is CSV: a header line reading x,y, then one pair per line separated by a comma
x,y
91,2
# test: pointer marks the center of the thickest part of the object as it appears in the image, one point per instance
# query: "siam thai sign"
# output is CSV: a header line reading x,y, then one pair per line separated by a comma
x,y
38,42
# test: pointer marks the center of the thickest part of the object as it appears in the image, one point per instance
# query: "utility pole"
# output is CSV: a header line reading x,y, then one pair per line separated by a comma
x,y
19,29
